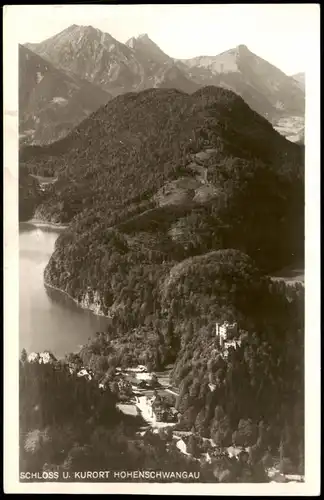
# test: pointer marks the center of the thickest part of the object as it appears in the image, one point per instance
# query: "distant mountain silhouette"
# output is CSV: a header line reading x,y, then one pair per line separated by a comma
x,y
90,54
116,67
265,88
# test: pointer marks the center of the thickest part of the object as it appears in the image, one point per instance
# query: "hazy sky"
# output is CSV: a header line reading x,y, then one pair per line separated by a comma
x,y
282,34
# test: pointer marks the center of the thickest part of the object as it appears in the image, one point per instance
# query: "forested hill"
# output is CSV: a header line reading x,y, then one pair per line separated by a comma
x,y
210,116
162,147
179,205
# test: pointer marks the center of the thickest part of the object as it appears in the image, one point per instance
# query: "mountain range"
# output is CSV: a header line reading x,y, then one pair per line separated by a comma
x,y
264,87
84,54
114,66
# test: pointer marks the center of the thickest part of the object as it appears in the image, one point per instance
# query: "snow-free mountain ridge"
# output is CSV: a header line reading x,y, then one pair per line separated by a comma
x,y
118,68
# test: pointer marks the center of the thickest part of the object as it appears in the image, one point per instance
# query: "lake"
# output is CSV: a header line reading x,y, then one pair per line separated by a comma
x,y
48,319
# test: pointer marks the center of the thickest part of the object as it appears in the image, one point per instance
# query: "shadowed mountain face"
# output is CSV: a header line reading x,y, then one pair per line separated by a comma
x,y
160,70
144,46
147,159
264,87
51,102
122,126
114,66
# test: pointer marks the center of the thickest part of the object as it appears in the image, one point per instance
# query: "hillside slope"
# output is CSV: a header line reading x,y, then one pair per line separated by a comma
x,y
160,70
178,205
130,156
51,102
300,78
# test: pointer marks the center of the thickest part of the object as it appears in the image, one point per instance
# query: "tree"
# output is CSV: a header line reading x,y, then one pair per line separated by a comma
x,y
154,380
301,461
219,413
224,469
285,464
189,333
192,446
74,361
201,423
221,432
246,434
169,434
101,365
23,356
267,460
195,389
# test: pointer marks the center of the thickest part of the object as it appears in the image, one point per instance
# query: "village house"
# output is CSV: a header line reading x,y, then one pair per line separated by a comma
x,y
44,357
139,385
156,409
85,373
33,357
124,385
232,343
182,446
136,369
226,330
144,376
162,412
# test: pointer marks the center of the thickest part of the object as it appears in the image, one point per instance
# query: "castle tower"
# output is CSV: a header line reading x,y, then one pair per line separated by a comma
x,y
218,334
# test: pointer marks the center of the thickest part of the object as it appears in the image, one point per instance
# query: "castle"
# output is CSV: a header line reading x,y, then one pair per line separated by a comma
x,y
225,330
227,335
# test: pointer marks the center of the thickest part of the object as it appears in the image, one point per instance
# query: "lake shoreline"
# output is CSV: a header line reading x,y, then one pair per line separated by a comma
x,y
50,320
46,284
52,225
41,223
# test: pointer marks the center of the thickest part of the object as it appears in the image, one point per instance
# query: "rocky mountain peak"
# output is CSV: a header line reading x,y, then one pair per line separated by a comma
x,y
144,37
242,51
242,48
145,47
131,42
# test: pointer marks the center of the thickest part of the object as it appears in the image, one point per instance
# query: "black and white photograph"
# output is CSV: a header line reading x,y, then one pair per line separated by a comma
x,y
162,321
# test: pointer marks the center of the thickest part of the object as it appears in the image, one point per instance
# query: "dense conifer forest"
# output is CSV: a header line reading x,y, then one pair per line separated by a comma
x,y
179,208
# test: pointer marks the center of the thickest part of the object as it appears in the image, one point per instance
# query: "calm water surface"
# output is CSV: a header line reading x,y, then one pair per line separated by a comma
x,y
48,320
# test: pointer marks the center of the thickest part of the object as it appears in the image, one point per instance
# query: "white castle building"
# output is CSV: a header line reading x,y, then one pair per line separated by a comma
x,y
225,330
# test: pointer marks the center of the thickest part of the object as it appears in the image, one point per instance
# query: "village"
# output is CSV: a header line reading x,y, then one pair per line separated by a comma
x,y
152,396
